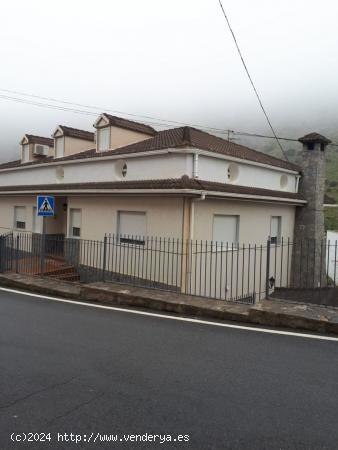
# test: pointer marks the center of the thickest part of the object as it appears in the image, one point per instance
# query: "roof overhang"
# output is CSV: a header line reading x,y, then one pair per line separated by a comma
x,y
155,192
102,118
24,140
174,150
58,132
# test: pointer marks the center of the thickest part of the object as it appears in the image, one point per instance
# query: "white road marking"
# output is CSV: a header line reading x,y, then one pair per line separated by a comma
x,y
182,319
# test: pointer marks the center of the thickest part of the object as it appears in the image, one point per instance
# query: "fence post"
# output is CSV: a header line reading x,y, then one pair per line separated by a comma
x,y
2,254
42,254
17,254
267,278
104,262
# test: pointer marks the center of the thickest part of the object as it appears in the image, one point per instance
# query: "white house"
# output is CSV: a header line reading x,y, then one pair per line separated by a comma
x,y
131,179
182,183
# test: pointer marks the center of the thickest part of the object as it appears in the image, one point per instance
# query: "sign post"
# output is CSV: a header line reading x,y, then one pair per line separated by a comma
x,y
45,208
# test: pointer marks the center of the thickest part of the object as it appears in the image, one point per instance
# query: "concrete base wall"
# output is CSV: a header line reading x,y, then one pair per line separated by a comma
x,y
325,296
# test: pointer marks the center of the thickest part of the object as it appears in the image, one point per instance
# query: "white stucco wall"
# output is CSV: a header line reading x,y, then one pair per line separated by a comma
x,y
99,214
152,167
54,225
254,219
169,165
213,169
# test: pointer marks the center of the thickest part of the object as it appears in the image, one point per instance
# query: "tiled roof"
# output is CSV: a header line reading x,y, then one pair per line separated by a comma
x,y
183,137
129,124
315,138
169,184
48,159
191,137
80,134
10,164
40,140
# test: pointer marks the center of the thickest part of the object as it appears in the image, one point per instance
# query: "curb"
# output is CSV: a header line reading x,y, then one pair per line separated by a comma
x,y
119,295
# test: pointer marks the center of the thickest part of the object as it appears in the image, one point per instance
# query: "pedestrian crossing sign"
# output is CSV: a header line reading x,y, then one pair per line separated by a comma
x,y
45,205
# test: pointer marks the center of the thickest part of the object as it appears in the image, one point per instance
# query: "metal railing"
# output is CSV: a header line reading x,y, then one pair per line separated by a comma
x,y
223,271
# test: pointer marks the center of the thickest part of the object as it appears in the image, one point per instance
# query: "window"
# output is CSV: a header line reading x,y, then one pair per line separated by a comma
x,y
120,169
103,138
225,229
233,172
59,147
20,217
25,153
275,229
132,227
124,170
75,223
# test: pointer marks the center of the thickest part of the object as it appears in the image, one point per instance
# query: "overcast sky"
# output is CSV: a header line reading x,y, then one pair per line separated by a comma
x,y
169,59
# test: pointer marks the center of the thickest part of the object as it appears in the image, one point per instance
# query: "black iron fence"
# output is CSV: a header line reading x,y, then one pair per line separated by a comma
x,y
231,272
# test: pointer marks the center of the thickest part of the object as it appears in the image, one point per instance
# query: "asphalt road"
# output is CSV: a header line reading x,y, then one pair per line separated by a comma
x,y
66,368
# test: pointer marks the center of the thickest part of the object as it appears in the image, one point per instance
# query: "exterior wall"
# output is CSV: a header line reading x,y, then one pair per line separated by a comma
x,y
164,216
74,145
51,152
58,223
170,165
155,167
99,214
120,137
254,219
54,225
213,169
7,212
231,271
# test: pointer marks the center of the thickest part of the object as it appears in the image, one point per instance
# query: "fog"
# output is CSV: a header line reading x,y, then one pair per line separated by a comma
x,y
172,60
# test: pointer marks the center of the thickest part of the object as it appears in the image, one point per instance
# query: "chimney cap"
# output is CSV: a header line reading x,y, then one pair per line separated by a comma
x,y
314,138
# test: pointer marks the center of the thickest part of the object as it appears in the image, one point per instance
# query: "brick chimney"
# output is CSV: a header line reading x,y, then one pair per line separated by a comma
x,y
309,233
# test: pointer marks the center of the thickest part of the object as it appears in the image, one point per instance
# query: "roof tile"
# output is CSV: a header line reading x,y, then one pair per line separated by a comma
x,y
172,184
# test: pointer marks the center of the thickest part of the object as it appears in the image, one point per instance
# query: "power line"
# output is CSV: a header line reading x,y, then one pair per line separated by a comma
x,y
165,123
90,113
251,81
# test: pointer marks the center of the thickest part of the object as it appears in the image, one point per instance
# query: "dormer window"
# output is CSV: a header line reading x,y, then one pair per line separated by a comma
x,y
35,147
25,153
59,147
103,138
115,132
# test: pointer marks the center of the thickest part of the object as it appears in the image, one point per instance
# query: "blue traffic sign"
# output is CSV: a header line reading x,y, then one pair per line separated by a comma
x,y
45,205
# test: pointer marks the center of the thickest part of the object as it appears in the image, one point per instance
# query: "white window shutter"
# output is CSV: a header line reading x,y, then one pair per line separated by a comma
x,y
103,135
132,223
225,229
59,147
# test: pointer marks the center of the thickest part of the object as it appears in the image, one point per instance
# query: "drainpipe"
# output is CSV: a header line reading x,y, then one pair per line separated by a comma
x,y
192,214
297,182
195,166
188,235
